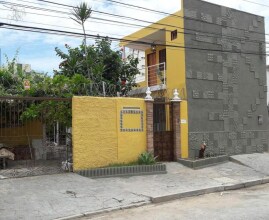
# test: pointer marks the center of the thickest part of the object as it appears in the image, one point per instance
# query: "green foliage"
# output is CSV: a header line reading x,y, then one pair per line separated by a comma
x,y
42,85
123,164
33,112
49,112
101,65
81,13
73,78
146,159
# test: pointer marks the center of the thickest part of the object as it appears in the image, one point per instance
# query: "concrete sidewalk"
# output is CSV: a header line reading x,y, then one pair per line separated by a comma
x,y
71,195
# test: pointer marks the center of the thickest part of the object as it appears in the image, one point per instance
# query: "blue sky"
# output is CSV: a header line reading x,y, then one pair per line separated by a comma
x,y
39,49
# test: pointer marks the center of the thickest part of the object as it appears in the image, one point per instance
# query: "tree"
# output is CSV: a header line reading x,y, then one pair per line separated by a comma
x,y
105,64
42,85
81,14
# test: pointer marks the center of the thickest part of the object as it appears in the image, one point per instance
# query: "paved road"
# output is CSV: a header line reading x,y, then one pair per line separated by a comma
x,y
246,204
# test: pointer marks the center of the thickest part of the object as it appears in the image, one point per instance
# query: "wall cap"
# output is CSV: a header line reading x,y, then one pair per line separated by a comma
x,y
176,97
148,97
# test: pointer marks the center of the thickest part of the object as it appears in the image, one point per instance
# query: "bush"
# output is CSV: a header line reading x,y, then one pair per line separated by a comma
x,y
146,159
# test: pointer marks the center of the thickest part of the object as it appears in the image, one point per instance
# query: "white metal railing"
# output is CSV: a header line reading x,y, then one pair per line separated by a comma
x,y
156,74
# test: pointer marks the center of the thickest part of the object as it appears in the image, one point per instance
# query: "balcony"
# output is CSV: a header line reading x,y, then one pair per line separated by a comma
x,y
154,77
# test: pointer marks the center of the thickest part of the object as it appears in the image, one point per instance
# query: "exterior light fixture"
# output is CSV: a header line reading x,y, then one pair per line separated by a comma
x,y
153,48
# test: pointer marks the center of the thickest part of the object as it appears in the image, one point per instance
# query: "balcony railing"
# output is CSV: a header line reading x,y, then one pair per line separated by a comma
x,y
156,75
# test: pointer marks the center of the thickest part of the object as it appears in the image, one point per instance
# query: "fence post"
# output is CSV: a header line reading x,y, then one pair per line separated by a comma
x,y
176,125
104,88
149,120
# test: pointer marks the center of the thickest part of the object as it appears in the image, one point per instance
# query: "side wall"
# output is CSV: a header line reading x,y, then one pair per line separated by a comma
x,y
107,131
175,63
176,72
226,91
21,136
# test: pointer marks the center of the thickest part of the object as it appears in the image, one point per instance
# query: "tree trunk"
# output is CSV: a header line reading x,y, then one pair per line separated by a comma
x,y
86,52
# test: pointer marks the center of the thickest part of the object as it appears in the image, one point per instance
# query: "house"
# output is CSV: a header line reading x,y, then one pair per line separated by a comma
x,y
215,57
267,74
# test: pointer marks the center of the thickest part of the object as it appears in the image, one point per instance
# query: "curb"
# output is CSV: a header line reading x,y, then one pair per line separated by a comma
x,y
199,192
265,180
205,162
167,198
90,214
135,170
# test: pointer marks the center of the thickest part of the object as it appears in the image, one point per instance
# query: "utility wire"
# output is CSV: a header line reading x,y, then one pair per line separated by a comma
x,y
136,6
126,24
150,22
73,28
195,34
182,17
129,41
158,23
256,3
152,40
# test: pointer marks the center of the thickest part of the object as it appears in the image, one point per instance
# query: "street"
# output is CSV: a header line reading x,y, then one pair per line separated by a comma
x,y
251,203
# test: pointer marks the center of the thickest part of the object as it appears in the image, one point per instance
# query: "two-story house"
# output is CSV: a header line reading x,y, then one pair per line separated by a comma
x,y
215,57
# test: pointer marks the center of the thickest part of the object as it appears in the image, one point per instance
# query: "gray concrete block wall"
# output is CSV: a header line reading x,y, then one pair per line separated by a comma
x,y
227,100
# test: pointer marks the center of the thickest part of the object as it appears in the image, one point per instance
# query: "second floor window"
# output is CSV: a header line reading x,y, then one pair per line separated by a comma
x,y
162,59
173,35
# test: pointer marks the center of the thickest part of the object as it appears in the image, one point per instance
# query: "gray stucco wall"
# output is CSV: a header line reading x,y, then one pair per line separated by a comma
x,y
227,92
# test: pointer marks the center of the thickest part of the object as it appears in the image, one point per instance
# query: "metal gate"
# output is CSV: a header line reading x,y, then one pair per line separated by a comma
x,y
39,145
163,130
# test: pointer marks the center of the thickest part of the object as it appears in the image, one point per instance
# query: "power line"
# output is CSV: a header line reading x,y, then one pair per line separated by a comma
x,y
137,38
129,41
40,3
158,23
56,11
124,23
127,24
256,3
117,23
182,17
42,32
141,25
138,7
72,28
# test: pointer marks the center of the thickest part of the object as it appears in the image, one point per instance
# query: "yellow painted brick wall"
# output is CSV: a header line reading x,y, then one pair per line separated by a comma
x,y
131,144
97,137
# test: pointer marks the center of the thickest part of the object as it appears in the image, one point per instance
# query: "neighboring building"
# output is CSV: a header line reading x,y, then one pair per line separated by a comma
x,y
23,68
267,74
224,93
140,54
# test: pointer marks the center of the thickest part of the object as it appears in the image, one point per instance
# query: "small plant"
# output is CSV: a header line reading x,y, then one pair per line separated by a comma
x,y
146,159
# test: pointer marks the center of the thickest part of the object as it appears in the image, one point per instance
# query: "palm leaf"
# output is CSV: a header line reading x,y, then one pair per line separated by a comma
x,y
81,13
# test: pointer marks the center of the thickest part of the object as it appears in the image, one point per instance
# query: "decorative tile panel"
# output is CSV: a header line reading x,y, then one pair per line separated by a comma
x,y
130,111
190,13
206,17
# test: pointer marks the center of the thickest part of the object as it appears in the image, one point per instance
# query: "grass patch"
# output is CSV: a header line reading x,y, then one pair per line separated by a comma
x,y
122,164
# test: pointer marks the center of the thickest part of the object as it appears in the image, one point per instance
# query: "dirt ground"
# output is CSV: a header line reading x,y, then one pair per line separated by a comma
x,y
16,169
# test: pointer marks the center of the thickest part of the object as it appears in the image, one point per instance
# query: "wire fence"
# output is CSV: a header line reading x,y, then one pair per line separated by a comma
x,y
38,145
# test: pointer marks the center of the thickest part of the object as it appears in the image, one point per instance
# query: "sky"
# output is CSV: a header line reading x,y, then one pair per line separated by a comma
x,y
38,50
